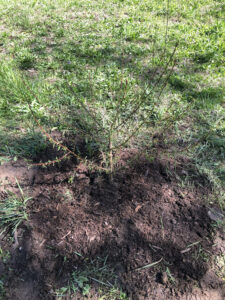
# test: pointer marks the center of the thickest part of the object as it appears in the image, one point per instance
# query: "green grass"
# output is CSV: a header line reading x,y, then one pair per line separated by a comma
x,y
96,276
13,211
14,145
2,291
4,255
110,51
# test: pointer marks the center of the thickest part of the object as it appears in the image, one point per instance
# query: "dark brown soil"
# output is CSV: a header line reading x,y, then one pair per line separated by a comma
x,y
143,216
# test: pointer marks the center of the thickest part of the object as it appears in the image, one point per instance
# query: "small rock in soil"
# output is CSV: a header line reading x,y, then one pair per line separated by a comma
x,y
215,215
162,277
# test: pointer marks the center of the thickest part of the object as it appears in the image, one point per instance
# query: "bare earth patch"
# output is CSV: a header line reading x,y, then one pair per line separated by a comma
x,y
143,216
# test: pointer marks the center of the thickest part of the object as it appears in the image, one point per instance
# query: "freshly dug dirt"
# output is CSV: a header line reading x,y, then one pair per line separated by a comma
x,y
144,215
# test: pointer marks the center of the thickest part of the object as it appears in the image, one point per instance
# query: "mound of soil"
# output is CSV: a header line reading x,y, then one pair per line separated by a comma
x,y
144,215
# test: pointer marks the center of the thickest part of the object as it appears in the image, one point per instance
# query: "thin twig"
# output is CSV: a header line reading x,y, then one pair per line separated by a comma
x,y
52,162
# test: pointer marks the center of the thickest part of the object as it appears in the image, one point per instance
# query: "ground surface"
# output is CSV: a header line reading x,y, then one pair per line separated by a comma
x,y
143,216
154,231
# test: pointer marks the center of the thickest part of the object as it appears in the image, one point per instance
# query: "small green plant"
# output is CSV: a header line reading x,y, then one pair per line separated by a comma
x,y
94,273
81,282
71,178
13,210
170,276
4,255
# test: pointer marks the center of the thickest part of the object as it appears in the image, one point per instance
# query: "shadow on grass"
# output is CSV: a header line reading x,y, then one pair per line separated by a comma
x,y
27,146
